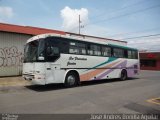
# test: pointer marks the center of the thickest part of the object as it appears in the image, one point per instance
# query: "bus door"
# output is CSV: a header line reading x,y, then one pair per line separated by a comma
x,y
56,72
52,55
52,73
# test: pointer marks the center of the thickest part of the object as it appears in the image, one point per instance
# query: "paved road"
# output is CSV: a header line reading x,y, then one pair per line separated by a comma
x,y
111,96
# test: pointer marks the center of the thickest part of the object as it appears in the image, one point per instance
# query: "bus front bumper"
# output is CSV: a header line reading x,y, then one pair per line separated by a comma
x,y
35,79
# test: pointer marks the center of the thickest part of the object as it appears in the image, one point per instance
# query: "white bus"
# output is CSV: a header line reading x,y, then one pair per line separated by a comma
x,y
51,58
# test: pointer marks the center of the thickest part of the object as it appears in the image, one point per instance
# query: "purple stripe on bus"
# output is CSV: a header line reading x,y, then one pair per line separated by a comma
x,y
130,72
123,64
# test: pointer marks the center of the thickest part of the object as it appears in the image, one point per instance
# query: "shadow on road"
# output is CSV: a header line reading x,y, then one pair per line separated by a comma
x,y
49,87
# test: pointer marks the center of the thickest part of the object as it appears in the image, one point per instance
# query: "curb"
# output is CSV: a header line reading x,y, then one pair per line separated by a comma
x,y
6,89
12,83
13,87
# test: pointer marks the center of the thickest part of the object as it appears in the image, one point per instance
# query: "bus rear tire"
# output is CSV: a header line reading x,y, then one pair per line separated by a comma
x,y
71,79
123,75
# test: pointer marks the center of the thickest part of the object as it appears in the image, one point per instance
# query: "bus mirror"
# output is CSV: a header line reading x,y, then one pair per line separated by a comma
x,y
40,58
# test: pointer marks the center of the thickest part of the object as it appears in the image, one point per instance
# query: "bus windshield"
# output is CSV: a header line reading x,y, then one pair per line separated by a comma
x,y
34,50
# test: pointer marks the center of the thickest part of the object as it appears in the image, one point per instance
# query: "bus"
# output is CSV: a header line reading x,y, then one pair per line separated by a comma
x,y
52,58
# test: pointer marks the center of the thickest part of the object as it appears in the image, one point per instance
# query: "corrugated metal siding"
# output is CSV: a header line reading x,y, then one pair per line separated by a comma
x,y
11,53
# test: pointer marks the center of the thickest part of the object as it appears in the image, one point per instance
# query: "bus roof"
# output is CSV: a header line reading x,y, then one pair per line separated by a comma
x,y
65,36
124,47
79,39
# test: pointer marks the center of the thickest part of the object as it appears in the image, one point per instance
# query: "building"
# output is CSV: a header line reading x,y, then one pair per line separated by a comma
x,y
13,39
149,60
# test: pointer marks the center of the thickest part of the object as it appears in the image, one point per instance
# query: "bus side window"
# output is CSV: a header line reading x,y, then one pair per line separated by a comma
x,y
77,48
125,54
106,51
52,49
95,50
136,57
81,47
133,54
73,49
117,52
90,52
64,45
130,54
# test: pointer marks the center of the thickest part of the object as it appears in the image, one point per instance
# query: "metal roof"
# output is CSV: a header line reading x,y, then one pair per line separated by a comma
x,y
27,29
36,31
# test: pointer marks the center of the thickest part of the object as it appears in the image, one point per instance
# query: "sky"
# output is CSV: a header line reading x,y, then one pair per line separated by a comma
x,y
116,19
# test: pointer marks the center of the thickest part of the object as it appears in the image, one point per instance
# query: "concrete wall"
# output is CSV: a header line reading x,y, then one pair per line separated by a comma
x,y
11,53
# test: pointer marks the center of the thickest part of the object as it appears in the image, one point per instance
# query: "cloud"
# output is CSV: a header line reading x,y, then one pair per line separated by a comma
x,y
70,24
151,44
6,12
71,18
1,21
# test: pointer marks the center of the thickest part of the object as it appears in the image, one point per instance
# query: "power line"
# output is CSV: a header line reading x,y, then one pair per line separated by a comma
x,y
117,10
123,15
138,11
134,32
140,37
143,43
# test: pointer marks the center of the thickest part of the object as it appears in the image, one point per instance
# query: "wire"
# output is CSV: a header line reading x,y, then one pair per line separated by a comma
x,y
123,15
138,11
140,37
134,32
117,10
142,43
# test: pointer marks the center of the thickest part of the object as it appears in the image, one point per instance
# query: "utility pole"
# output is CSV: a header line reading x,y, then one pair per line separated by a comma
x,y
79,24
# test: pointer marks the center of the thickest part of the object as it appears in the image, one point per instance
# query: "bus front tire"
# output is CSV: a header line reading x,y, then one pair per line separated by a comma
x,y
123,75
71,79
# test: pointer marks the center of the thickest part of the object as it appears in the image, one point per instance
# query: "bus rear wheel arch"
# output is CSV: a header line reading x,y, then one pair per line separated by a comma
x,y
72,79
123,75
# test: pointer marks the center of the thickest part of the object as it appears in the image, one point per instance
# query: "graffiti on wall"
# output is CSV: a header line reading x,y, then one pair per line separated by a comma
x,y
10,56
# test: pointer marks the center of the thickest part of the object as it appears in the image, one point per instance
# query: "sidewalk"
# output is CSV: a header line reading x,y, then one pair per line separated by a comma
x,y
13,81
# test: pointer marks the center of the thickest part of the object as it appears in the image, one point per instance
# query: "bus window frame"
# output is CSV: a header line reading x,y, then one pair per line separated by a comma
x,y
87,47
47,59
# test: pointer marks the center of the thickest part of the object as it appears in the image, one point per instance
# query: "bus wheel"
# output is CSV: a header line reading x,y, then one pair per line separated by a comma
x,y
71,79
123,75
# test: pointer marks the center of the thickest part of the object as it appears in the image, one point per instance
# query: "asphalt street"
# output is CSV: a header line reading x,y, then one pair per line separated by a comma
x,y
107,96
